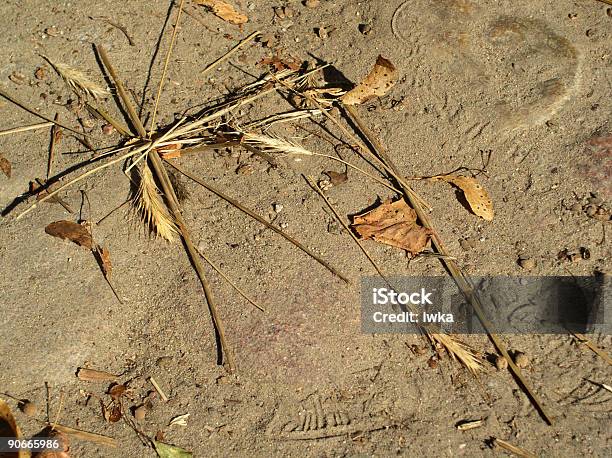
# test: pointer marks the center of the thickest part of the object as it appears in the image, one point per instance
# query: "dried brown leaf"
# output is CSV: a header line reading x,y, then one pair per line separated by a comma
x,y
105,261
116,391
93,375
5,166
72,231
336,178
224,11
381,78
475,194
393,223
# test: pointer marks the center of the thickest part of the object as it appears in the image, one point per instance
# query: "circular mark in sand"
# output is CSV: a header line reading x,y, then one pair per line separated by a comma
x,y
513,72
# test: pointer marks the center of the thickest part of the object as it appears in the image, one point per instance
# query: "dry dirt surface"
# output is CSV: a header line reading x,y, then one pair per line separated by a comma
x,y
526,85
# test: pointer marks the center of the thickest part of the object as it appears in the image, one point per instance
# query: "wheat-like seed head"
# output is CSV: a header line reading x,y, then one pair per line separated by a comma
x,y
77,80
458,350
271,144
151,208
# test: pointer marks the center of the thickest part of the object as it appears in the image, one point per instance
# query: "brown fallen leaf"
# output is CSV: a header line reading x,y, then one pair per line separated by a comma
x,y
476,196
5,166
224,11
336,178
103,255
93,375
393,223
381,78
72,231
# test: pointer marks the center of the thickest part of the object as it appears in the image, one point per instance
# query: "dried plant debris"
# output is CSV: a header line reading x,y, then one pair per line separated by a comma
x,y
170,451
224,11
336,178
5,166
477,196
378,82
395,224
78,81
69,230
94,375
152,209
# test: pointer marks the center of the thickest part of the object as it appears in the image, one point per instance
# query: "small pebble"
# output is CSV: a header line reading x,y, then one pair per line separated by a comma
x,y
527,263
284,225
432,362
278,208
245,169
108,129
322,33
28,407
325,185
52,31
365,29
521,359
501,363
312,3
590,210
140,413
40,73
17,77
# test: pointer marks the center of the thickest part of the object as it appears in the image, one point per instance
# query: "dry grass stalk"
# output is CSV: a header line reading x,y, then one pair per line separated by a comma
x,y
78,81
15,130
458,350
269,144
151,208
518,451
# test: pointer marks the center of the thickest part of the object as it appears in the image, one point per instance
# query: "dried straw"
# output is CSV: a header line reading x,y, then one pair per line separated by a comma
x,y
77,80
151,208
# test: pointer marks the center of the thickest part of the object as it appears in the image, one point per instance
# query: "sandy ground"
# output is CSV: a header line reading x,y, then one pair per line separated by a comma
x,y
528,83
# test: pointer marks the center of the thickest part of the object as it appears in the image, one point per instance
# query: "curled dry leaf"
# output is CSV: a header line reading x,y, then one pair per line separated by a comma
x,y
224,11
378,82
476,196
72,231
5,166
393,223
93,375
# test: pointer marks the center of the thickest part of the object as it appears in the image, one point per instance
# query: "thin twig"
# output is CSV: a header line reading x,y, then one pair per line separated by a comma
x,y
518,451
15,130
55,136
136,123
314,186
229,280
258,218
20,104
165,69
229,53
594,348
